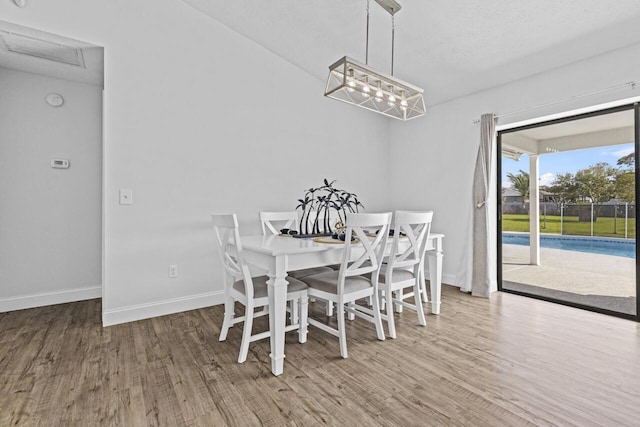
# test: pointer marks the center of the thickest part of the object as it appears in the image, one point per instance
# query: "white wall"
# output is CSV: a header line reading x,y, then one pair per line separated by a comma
x,y
199,119
438,151
50,219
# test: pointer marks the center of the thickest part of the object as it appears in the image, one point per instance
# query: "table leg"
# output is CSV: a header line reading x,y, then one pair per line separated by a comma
x,y
277,291
435,276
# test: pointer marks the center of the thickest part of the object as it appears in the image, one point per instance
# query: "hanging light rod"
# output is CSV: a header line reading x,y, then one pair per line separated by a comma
x,y
359,84
390,6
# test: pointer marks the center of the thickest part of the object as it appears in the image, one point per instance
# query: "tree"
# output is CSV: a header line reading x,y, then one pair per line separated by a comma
x,y
625,183
627,162
564,189
625,186
521,183
597,182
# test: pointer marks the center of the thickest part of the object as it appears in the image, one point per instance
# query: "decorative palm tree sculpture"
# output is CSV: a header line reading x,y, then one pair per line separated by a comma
x,y
320,202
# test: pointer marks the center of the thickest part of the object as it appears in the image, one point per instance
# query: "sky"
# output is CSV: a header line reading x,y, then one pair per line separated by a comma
x,y
569,161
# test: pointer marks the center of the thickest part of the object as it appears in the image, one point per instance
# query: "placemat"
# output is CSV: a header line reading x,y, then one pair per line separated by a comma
x,y
329,239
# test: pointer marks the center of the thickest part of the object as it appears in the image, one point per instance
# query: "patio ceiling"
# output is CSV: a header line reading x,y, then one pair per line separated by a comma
x,y
599,131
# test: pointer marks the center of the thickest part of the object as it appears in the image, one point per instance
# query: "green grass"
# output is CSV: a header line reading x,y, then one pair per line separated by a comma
x,y
604,227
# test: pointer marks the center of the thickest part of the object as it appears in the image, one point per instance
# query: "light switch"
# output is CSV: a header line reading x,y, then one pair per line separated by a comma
x,y
126,196
60,163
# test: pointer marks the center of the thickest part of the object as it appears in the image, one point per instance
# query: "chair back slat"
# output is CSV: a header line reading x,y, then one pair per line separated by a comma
x,y
373,247
227,236
411,233
289,219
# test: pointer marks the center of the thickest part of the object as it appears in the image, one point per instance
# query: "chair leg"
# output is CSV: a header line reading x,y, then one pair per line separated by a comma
x,y
294,311
399,296
329,308
391,323
382,298
351,315
418,304
246,333
227,321
376,315
304,313
423,285
342,334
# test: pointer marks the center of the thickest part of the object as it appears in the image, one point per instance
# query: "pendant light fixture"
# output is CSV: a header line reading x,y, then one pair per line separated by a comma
x,y
355,83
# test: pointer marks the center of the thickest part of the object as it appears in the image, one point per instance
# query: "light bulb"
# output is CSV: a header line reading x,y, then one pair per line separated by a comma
x,y
379,94
351,84
365,88
391,100
403,100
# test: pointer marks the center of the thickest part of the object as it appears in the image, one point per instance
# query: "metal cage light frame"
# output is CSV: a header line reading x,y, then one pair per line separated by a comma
x,y
359,84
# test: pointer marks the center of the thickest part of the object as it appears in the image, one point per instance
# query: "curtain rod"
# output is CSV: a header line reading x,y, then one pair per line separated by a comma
x,y
631,84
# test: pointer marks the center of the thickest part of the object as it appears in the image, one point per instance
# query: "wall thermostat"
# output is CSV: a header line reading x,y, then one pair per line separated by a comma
x,y
54,99
60,163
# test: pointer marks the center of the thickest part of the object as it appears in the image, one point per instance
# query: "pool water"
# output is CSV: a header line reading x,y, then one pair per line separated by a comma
x,y
594,245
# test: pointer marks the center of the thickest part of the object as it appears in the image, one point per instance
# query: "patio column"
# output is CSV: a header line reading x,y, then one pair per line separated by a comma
x,y
534,210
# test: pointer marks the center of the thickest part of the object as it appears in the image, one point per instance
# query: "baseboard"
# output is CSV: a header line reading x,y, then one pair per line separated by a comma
x,y
160,308
449,279
49,298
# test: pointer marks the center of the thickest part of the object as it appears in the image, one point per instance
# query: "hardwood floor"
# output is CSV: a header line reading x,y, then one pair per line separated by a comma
x,y
511,361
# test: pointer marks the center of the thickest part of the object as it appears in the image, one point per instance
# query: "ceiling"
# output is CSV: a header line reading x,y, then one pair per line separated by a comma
x,y
85,62
449,48
596,131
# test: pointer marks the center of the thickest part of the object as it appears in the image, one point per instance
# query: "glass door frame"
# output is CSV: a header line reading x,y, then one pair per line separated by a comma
x,y
636,109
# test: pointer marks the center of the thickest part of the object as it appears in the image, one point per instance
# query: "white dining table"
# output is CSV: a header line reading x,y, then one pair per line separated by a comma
x,y
280,254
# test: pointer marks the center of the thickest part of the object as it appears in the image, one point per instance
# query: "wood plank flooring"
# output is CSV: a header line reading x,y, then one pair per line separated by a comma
x,y
512,361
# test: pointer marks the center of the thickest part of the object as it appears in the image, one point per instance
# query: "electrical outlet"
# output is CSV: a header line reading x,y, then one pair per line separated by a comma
x,y
173,271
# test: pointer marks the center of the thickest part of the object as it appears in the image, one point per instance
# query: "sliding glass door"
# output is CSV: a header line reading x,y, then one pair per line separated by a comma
x,y
567,211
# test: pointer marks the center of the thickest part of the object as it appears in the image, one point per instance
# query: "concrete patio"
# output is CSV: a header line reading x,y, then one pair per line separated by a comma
x,y
603,281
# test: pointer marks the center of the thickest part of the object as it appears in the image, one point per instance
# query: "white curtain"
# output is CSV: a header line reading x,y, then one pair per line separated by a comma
x,y
482,233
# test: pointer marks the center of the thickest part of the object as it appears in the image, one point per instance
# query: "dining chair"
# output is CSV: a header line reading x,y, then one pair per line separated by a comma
x,y
404,268
343,287
287,220
272,223
290,220
249,291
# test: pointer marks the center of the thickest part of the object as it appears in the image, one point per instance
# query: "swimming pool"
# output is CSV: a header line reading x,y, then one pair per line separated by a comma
x,y
595,245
